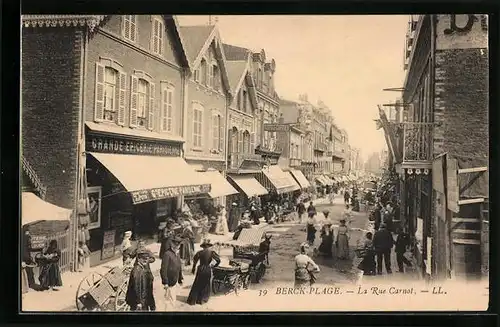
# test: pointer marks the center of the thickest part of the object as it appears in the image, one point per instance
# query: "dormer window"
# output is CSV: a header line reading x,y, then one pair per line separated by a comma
x,y
129,27
203,72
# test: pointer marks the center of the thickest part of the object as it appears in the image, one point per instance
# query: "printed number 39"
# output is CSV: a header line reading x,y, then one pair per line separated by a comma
x,y
262,292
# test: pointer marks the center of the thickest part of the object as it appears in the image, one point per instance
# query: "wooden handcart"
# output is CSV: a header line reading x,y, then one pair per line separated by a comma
x,y
98,292
230,278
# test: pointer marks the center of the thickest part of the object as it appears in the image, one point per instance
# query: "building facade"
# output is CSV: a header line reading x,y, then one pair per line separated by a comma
x,y
445,132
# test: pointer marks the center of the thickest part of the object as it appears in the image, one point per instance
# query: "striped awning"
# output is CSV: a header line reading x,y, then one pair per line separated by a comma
x,y
273,178
301,179
250,236
321,180
328,180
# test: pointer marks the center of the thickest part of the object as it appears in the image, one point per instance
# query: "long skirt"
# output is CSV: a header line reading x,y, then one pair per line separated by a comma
x,y
326,245
342,247
50,276
311,233
368,265
202,287
186,250
304,277
24,281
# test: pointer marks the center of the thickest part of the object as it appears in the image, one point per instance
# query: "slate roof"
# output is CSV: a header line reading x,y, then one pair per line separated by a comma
x,y
235,53
195,38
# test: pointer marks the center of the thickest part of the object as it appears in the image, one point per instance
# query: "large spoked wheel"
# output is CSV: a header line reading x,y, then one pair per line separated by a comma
x,y
121,293
84,287
216,286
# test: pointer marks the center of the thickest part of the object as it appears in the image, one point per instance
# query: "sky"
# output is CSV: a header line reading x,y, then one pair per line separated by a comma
x,y
343,60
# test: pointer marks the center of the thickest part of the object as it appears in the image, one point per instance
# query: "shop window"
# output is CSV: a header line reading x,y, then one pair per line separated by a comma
x,y
142,104
129,27
197,125
109,94
157,37
167,109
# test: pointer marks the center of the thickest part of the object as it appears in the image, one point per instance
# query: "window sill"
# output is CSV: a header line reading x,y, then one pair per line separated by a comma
x,y
197,149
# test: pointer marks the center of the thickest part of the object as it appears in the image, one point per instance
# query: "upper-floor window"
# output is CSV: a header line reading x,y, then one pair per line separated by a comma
x,y
203,72
210,78
197,125
246,142
244,95
157,37
196,75
217,132
142,102
110,90
216,77
234,139
167,109
129,28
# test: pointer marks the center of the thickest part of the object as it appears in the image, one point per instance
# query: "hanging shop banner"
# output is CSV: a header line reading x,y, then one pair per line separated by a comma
x,y
438,175
168,192
452,190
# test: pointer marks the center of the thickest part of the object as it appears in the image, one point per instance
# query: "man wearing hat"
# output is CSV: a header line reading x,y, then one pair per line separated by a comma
x,y
126,247
171,271
383,243
140,286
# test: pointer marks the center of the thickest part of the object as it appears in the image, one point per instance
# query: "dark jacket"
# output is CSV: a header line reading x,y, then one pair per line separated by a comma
x,y
377,218
301,208
311,209
171,268
402,242
382,240
140,287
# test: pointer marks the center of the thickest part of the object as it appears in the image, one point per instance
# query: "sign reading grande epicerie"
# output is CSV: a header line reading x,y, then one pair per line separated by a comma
x,y
168,192
107,144
276,127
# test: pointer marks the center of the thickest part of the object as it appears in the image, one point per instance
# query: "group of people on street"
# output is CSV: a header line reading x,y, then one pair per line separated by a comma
x,y
175,252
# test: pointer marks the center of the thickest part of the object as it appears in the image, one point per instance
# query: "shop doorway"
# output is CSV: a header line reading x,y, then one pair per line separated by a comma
x,y
145,224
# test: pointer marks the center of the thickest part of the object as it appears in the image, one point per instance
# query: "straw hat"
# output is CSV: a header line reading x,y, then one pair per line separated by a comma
x,y
206,243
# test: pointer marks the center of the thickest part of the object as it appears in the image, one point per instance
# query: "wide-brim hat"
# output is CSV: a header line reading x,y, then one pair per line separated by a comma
x,y
342,220
144,253
206,243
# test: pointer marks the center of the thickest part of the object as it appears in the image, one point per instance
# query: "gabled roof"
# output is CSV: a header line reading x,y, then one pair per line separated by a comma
x,y
239,72
236,53
197,41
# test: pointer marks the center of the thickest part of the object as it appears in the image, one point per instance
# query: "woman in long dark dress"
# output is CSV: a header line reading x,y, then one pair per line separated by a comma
x,y
50,274
326,245
311,228
202,286
186,248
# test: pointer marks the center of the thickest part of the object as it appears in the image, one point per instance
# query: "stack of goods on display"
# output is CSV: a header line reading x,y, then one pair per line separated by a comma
x,y
387,186
85,208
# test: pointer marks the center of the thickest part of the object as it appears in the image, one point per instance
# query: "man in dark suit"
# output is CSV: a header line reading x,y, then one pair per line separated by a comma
x,y
383,243
171,272
140,286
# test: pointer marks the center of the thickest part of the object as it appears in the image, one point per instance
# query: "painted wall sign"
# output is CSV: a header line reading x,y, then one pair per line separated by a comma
x,y
452,184
108,244
465,25
168,192
276,127
108,144
462,32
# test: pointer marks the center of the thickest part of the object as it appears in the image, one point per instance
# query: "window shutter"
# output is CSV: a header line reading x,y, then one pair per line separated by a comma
x,y
221,134
215,129
164,109
122,84
155,35
99,93
160,38
152,106
133,101
170,111
133,27
126,26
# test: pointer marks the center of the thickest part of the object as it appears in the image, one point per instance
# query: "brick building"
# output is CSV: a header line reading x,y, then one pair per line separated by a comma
x,y
445,143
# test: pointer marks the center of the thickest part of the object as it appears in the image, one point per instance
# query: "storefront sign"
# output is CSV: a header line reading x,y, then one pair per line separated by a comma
x,y
168,192
107,144
452,184
276,127
108,244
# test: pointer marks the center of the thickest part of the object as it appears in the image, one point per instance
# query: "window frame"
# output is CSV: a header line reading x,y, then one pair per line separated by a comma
x,y
114,108
217,135
120,91
146,97
127,18
197,137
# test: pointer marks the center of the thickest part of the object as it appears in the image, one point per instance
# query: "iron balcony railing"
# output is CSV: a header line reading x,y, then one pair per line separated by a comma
x,y
35,180
236,159
417,142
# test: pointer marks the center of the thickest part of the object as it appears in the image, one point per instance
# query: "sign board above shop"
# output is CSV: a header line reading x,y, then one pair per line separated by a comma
x,y
122,145
276,127
168,192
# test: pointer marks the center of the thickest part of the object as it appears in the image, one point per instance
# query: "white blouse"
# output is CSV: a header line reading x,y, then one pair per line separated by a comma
x,y
302,260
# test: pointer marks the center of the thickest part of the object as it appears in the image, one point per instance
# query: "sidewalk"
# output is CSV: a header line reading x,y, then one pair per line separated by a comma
x,y
65,297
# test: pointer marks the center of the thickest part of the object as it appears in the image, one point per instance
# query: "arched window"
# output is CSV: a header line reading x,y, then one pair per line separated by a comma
x,y
110,87
234,140
246,142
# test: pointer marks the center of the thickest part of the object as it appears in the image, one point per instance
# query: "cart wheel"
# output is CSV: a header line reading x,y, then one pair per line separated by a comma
x,y
121,293
84,287
215,286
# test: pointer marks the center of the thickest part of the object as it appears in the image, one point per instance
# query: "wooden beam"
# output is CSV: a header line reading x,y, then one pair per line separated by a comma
x,y
466,241
472,170
466,231
471,201
466,220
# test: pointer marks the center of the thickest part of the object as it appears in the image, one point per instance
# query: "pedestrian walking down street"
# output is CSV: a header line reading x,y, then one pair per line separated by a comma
x,y
342,242
186,247
301,211
383,243
140,286
311,228
50,273
202,286
402,244
368,265
171,273
305,268
311,208
326,246
28,260
347,196
377,216
126,247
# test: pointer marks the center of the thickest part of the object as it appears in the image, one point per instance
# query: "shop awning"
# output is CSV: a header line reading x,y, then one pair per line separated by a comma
x,y
35,209
328,180
301,179
320,180
220,186
276,178
249,185
149,178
